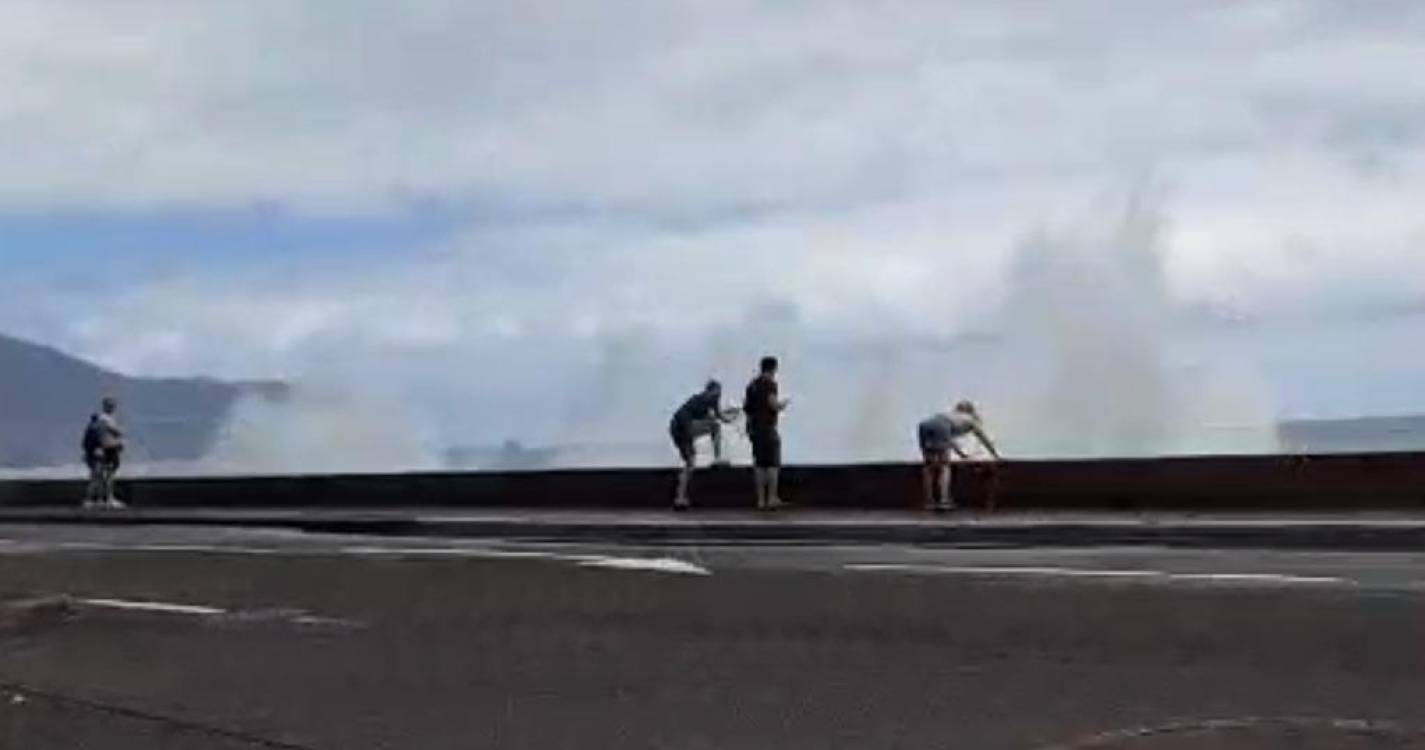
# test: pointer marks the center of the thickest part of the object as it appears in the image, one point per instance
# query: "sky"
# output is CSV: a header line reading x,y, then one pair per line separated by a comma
x,y
1119,226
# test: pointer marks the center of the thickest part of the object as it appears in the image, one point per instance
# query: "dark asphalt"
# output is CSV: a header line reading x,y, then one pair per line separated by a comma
x,y
353,643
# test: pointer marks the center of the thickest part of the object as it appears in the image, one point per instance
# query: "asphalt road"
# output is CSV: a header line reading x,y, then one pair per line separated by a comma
x,y
204,638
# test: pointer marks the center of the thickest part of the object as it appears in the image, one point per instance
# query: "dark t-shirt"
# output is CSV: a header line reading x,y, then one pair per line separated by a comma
x,y
700,406
759,404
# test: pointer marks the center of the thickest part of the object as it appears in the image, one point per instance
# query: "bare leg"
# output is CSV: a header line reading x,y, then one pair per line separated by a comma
x,y
945,500
110,484
759,478
106,485
93,491
928,477
716,433
774,499
680,500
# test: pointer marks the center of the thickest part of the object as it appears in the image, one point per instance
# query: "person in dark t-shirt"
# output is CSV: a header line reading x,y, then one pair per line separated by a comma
x,y
702,414
763,406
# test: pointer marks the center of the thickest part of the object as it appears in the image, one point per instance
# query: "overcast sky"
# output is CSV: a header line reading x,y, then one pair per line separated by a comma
x,y
551,219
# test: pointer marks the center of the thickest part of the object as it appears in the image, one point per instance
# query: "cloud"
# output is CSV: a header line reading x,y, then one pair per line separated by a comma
x,y
674,107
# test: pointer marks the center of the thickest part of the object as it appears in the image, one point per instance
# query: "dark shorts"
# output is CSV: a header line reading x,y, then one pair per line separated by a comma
x,y
108,459
682,435
932,440
766,448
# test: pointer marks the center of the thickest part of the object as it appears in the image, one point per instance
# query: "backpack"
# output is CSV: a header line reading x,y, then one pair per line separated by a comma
x,y
93,437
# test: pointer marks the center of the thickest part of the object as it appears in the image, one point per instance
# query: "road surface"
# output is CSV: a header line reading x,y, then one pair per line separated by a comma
x,y
211,638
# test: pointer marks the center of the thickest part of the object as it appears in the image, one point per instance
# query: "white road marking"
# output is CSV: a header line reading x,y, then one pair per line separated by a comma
x,y
448,519
476,552
655,564
996,571
1075,572
658,564
1097,573
214,549
145,606
1267,577
204,548
294,616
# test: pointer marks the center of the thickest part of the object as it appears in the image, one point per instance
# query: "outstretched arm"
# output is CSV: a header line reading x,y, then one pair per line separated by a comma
x,y
985,441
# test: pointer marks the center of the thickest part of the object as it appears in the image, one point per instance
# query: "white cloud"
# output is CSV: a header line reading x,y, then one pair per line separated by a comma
x,y
659,106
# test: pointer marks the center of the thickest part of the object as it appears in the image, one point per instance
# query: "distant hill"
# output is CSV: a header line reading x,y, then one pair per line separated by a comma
x,y
46,397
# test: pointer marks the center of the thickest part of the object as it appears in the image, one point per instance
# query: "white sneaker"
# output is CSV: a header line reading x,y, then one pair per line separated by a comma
x,y
681,503
114,503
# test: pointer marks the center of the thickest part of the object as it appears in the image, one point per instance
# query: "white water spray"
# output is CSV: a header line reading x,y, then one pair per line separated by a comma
x,y
1090,315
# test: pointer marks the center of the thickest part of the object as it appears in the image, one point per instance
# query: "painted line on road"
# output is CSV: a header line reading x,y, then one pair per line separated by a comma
x,y
655,564
995,571
652,564
293,616
150,606
1264,577
475,552
205,549
1164,575
107,547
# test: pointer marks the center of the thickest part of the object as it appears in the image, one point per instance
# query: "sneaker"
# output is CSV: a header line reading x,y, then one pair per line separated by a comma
x,y
775,504
944,506
681,503
115,504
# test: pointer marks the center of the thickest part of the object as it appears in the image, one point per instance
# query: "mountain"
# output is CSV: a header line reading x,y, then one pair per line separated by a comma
x,y
46,398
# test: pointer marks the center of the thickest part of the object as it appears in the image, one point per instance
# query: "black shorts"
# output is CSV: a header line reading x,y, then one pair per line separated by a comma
x,y
107,458
682,435
766,448
932,440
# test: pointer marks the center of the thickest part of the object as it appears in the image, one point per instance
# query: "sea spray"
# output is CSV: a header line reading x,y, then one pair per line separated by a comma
x,y
1091,315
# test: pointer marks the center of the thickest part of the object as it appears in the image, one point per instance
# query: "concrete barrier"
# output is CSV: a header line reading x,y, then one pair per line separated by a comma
x,y
1357,482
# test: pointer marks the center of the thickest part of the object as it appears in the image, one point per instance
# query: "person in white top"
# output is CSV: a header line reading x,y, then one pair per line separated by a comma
x,y
939,436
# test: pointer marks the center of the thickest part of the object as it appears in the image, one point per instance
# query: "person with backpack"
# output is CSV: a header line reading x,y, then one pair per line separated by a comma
x,y
103,447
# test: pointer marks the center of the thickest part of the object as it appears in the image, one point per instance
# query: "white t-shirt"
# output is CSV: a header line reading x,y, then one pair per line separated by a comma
x,y
110,435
